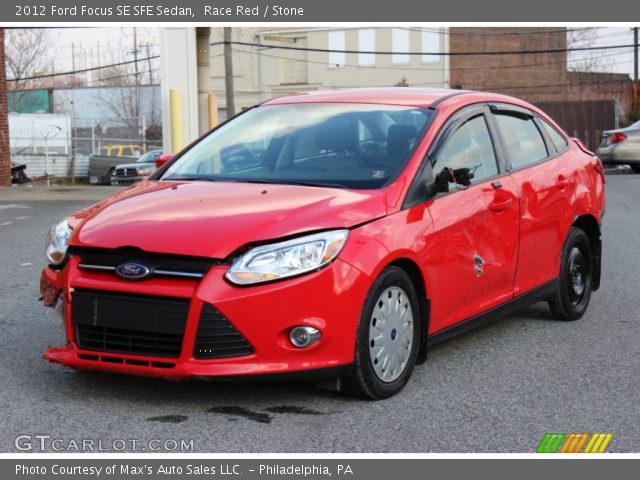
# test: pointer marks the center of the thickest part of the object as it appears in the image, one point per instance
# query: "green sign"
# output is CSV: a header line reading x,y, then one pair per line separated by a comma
x,y
29,101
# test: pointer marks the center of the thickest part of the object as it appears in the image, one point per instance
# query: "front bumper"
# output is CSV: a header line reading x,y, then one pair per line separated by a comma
x,y
329,299
123,181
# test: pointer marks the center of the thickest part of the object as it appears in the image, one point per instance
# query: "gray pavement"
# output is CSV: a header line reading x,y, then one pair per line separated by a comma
x,y
498,389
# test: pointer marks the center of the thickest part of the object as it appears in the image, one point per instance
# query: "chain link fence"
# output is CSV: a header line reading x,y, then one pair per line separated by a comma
x,y
60,146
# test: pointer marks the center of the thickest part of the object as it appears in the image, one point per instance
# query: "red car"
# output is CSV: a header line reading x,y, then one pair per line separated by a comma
x,y
332,234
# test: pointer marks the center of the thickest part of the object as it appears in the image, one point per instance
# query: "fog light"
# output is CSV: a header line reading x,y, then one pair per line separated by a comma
x,y
303,337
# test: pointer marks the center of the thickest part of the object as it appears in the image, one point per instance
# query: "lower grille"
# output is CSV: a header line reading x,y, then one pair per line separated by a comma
x,y
125,323
216,337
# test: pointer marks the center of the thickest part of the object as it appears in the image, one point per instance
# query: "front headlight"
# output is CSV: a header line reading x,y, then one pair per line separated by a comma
x,y
286,259
57,242
146,171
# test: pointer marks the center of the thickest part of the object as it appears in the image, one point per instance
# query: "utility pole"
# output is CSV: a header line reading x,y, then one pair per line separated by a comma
x,y
136,92
147,47
135,54
228,72
73,63
635,54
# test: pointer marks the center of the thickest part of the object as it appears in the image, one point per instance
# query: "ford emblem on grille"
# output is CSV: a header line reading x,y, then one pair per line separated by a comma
x,y
133,271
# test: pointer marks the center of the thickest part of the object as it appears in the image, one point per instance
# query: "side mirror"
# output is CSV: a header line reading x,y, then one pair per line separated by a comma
x,y
165,158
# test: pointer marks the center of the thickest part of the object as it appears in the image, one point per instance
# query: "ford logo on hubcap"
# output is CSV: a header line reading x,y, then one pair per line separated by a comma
x,y
133,271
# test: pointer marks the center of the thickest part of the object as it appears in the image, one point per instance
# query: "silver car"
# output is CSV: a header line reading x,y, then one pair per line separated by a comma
x,y
621,146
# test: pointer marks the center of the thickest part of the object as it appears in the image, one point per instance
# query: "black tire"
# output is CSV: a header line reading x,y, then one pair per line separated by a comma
x,y
575,283
107,179
635,167
363,381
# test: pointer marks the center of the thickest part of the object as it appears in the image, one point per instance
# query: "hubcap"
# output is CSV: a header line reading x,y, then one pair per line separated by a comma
x,y
391,334
578,275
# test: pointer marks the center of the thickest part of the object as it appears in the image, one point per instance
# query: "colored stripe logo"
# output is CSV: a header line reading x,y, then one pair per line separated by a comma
x,y
574,443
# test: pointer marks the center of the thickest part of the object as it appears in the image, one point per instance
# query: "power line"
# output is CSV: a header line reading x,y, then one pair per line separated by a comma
x,y
448,32
449,54
84,70
425,68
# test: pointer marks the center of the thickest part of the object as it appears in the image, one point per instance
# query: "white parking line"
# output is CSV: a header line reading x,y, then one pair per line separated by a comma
x,y
6,223
12,205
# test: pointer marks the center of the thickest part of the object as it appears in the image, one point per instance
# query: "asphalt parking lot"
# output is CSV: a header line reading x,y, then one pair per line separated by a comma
x,y
498,389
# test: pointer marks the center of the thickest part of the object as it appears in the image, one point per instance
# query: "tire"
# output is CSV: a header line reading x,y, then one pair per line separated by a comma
x,y
575,283
397,333
635,167
107,179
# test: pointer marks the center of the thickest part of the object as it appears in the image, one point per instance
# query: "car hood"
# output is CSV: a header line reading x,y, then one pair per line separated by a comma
x,y
212,219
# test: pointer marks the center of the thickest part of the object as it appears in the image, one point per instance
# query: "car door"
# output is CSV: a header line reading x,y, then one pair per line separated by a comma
x,y
546,189
472,251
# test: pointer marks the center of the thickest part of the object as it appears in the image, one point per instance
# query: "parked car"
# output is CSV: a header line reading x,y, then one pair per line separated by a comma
x,y
353,230
128,173
102,167
621,146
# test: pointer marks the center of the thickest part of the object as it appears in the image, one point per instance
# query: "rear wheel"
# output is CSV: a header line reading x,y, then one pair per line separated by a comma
x,y
576,278
388,337
635,167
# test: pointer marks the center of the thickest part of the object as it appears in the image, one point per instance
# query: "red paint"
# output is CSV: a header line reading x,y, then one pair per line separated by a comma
x,y
517,230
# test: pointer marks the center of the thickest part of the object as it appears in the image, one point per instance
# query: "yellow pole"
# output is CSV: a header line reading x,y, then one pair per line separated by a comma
x,y
213,110
176,120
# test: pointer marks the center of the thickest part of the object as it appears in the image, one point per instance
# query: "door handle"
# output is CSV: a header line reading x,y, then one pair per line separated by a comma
x,y
501,205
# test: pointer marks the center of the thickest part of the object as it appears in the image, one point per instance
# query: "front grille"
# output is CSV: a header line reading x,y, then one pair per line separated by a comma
x,y
126,323
159,264
216,337
126,172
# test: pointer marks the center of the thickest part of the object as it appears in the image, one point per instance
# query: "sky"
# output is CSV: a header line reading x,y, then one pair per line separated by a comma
x,y
99,46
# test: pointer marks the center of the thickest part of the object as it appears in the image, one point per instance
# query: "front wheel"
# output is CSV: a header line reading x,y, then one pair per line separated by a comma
x,y
635,167
388,337
576,278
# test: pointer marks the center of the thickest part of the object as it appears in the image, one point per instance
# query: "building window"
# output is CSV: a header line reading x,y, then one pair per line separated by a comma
x,y
336,42
400,45
430,43
366,43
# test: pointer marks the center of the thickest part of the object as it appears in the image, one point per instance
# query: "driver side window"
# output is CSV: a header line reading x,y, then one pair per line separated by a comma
x,y
469,147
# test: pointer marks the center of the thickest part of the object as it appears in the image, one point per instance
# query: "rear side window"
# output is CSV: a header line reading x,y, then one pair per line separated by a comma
x,y
559,142
524,142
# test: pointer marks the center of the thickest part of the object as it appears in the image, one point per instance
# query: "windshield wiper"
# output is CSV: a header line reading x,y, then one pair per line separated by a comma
x,y
191,179
257,180
292,182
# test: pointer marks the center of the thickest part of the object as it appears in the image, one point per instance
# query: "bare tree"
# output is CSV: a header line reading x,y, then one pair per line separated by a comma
x,y
132,99
586,61
27,55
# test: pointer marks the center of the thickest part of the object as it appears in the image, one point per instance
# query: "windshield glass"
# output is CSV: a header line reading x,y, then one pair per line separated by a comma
x,y
149,156
635,125
340,145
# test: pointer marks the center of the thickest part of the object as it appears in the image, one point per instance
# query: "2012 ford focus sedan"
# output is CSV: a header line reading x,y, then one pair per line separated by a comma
x,y
333,234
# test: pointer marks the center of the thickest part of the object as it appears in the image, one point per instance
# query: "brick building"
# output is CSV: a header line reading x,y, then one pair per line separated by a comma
x,y
5,161
537,78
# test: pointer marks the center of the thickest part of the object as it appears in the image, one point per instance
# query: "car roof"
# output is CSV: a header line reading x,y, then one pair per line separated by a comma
x,y
405,96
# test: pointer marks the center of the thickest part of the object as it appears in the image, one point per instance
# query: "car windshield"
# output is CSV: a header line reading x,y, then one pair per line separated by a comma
x,y
635,125
334,145
149,157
